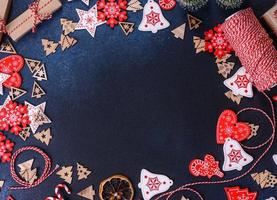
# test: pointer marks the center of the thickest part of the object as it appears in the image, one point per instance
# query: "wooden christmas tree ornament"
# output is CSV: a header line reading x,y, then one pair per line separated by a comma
x,y
87,193
49,46
223,59
66,174
7,47
2,182
40,74
265,179
225,68
179,32
37,91
254,130
199,44
127,27
68,26
134,6
32,64
25,133
82,172
44,136
193,22
26,171
66,42
15,93
234,98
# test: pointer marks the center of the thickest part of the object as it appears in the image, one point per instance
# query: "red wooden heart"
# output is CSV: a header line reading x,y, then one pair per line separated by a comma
x,y
12,65
227,126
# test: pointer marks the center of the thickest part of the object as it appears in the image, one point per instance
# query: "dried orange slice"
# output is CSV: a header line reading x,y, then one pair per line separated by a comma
x,y
116,187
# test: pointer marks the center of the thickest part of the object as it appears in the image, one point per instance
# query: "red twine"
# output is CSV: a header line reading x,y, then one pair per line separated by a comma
x,y
38,18
58,193
269,141
253,47
46,172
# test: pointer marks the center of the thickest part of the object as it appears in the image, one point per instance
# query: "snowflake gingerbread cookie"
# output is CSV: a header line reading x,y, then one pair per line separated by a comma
x,y
153,19
152,184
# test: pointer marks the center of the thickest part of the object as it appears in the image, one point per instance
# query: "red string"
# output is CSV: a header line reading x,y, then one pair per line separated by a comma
x,y
46,172
38,18
272,122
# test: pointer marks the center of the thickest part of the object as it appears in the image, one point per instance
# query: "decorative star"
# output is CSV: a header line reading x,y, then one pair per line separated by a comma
x,y
37,116
3,78
88,20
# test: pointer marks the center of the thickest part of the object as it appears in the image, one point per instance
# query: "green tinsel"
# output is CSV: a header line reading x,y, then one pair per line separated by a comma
x,y
192,5
227,4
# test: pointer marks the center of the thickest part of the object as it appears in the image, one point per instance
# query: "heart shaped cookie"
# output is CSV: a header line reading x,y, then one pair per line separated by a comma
x,y
12,65
228,127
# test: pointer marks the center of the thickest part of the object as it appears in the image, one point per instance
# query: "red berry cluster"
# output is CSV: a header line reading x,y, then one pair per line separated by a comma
x,y
14,117
6,147
215,42
112,11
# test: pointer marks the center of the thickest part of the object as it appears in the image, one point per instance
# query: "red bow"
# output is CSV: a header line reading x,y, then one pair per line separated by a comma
x,y
38,18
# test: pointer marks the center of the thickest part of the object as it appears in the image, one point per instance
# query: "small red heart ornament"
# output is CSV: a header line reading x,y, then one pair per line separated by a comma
x,y
228,126
12,65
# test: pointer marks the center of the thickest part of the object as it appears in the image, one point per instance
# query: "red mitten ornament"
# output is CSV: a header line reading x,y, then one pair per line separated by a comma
x,y
235,193
209,167
6,147
12,65
228,127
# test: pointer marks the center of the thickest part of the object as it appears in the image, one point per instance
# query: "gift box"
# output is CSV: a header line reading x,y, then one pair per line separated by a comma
x,y
4,11
37,12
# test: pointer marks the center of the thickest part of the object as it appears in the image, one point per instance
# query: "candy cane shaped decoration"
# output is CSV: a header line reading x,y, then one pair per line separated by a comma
x,y
58,193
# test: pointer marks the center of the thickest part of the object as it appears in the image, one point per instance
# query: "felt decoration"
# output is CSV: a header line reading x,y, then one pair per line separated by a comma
x,y
116,187
15,93
240,83
40,73
32,64
199,44
152,184
209,167
87,193
229,127
134,5
112,11
26,172
179,32
3,78
58,193
235,193
25,133
192,5
37,116
6,148
153,19
49,46
167,4
13,117
193,22
225,68
127,27
223,59
67,41
265,179
1,184
88,20
274,157
234,98
229,4
37,91
83,172
254,130
12,65
7,47
66,174
68,26
215,42
234,156
44,136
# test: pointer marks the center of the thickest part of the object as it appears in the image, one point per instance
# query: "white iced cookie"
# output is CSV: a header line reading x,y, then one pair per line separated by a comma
x,y
234,156
152,184
240,83
153,19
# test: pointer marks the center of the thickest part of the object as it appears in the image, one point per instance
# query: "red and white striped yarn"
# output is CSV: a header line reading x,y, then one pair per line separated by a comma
x,y
253,46
38,18
269,141
45,174
58,193
3,26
